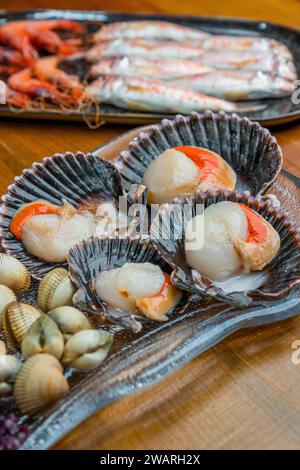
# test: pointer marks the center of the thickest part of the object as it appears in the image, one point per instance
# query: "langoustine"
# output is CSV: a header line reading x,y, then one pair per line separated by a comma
x,y
150,29
144,94
30,36
180,171
237,85
143,67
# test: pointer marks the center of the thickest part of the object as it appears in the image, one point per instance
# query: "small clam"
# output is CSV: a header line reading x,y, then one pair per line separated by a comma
x,y
13,273
17,319
6,297
55,290
87,349
9,368
43,336
70,320
2,348
39,383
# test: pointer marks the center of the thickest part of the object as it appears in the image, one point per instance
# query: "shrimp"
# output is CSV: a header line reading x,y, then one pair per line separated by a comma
x,y
237,84
143,94
30,36
12,57
142,67
148,29
140,47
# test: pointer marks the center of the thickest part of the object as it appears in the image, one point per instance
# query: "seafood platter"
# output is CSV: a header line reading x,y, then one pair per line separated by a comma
x,y
104,288
104,67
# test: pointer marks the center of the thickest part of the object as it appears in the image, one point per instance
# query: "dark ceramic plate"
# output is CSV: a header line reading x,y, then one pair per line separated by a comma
x,y
140,360
275,112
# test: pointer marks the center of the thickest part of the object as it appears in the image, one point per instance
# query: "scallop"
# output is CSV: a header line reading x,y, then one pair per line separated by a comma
x,y
6,297
2,347
39,383
14,274
9,368
87,349
55,290
180,171
122,287
43,336
110,219
227,250
17,319
70,320
50,236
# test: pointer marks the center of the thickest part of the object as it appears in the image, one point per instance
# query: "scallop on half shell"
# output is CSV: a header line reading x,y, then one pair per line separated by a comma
x,y
104,259
249,152
226,263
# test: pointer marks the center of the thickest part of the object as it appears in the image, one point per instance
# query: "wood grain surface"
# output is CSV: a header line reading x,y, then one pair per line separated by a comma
x,y
242,394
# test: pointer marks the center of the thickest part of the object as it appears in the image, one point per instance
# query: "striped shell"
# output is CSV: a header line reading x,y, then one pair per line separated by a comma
x,y
2,347
6,297
14,274
55,290
17,319
39,383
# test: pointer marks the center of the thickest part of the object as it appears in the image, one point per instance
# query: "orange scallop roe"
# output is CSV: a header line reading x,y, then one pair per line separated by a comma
x,y
257,228
29,210
205,160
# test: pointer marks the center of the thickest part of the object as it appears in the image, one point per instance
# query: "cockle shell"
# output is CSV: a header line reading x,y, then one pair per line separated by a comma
x,y
55,290
43,336
39,383
70,320
2,347
9,368
17,319
14,274
87,349
6,297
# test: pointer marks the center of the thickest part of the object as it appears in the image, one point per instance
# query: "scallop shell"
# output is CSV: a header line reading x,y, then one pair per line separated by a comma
x,y
70,320
87,349
78,179
247,147
39,383
13,274
9,368
43,336
6,297
55,290
2,347
279,276
17,319
87,259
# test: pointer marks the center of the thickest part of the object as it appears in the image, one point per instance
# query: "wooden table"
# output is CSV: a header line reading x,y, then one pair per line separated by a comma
x,y
244,393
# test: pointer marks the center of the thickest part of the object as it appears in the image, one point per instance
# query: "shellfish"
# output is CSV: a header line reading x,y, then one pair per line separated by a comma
x,y
240,235
118,279
2,347
87,349
70,320
179,171
55,290
6,297
249,149
39,383
17,319
13,274
9,368
43,336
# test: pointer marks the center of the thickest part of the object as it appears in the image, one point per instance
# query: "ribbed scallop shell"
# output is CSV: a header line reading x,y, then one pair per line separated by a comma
x,y
17,319
249,149
6,297
281,274
14,274
55,290
2,348
87,259
74,178
39,383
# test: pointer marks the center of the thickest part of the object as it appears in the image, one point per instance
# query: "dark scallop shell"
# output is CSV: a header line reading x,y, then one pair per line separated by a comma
x,y
90,257
75,178
279,276
248,148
